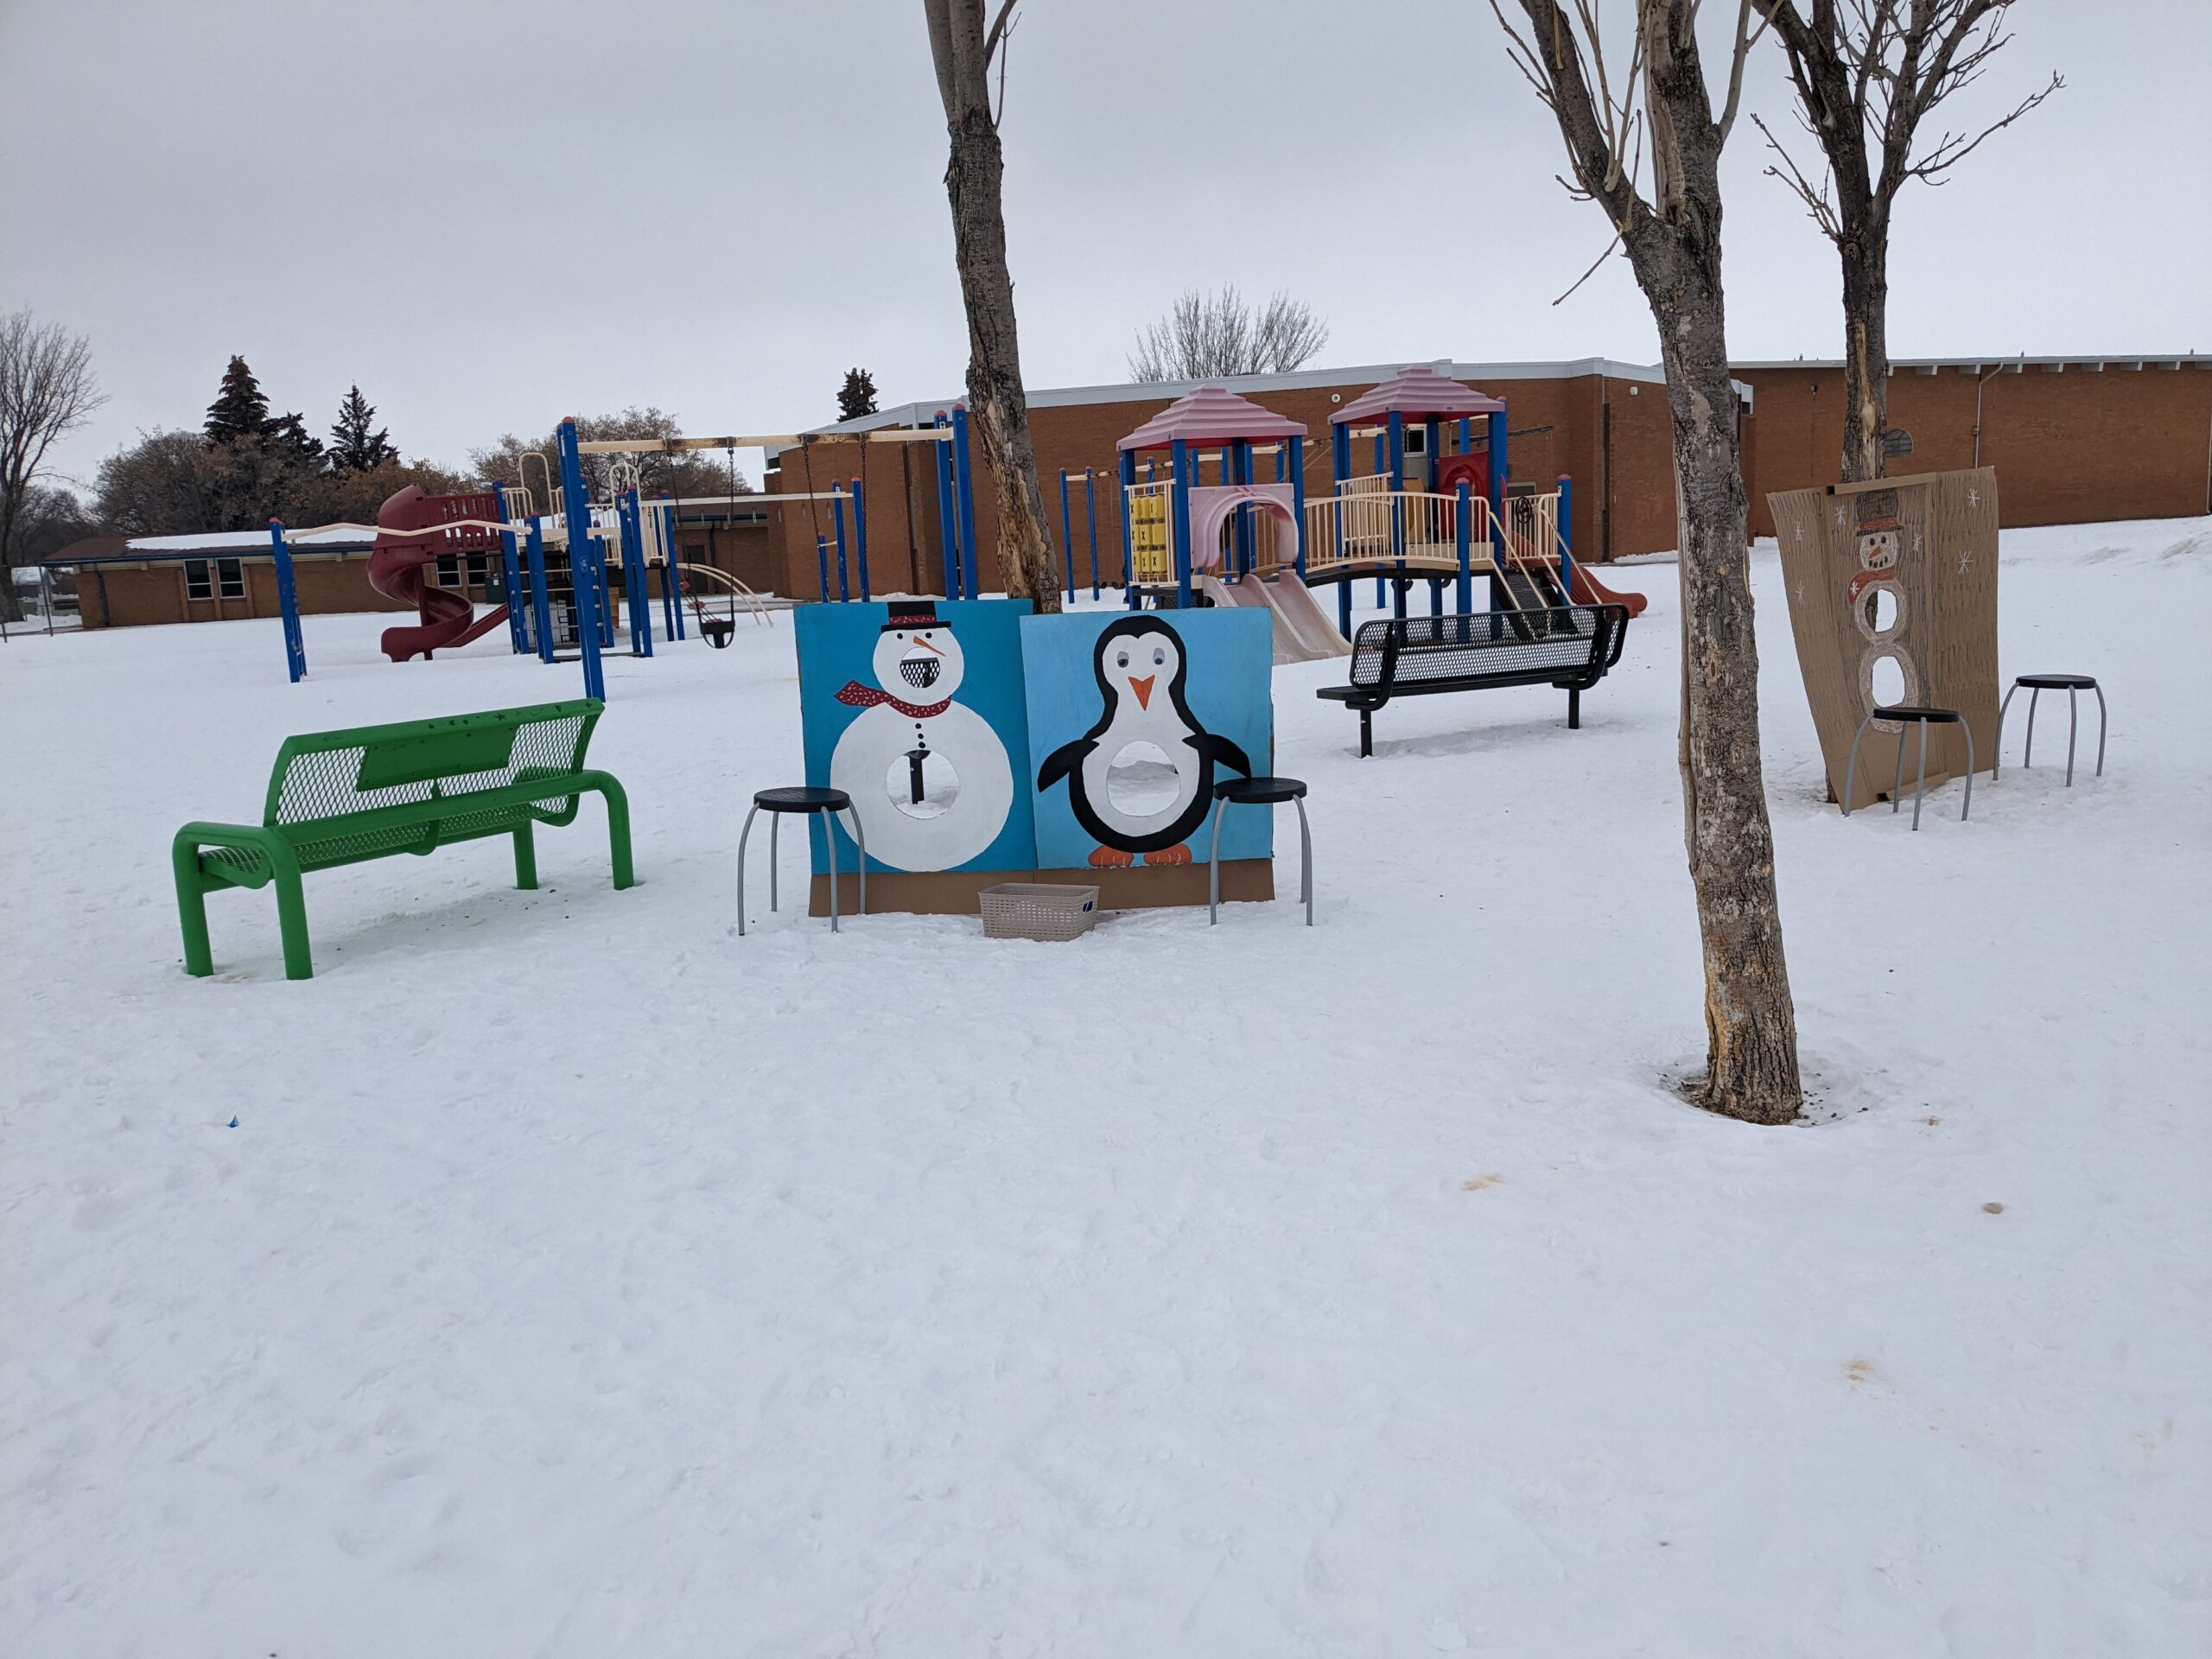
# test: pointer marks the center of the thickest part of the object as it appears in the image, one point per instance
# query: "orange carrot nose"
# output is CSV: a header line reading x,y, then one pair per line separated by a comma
x,y
1143,689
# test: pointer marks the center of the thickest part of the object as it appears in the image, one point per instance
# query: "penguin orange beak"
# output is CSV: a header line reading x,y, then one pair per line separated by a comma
x,y
1143,689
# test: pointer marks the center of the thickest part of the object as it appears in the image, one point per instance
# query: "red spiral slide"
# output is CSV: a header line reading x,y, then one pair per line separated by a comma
x,y
409,538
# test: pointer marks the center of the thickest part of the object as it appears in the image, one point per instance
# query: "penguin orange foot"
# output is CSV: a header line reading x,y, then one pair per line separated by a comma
x,y
1109,858
1179,853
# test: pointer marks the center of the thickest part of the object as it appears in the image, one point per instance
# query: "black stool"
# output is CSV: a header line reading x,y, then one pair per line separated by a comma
x,y
2071,684
776,803
1909,713
1260,792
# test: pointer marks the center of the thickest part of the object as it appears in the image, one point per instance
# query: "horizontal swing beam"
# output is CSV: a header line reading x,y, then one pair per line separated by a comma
x,y
761,441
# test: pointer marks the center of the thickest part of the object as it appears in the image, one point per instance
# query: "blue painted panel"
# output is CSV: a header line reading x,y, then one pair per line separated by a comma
x,y
951,690
1227,658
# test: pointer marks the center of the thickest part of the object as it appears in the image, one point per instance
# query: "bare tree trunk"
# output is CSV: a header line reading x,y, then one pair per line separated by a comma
x,y
996,402
1674,244
1866,357
1751,1023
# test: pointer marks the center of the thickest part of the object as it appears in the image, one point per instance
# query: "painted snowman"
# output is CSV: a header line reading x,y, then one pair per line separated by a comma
x,y
929,777
1881,544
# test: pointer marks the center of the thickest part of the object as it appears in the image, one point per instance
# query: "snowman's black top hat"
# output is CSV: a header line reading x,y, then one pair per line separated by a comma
x,y
908,615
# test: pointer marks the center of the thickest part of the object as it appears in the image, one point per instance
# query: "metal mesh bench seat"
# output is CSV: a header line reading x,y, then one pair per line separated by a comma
x,y
377,792
1569,648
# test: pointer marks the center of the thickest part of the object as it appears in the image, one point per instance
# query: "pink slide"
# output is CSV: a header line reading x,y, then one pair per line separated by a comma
x,y
396,570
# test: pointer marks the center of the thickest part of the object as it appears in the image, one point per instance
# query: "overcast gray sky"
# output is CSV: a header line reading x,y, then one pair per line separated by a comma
x,y
490,215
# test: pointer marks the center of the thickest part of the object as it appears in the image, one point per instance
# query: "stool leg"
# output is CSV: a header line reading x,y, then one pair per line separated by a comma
x,y
829,834
1850,768
2028,755
775,824
2073,716
1996,759
741,836
1919,784
860,840
1897,784
1213,865
1967,806
1304,857
2099,690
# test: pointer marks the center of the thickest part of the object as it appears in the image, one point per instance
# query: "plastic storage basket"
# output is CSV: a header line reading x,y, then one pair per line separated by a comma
x,y
1037,910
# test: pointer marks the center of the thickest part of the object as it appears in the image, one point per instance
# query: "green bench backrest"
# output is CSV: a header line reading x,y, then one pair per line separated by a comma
x,y
337,774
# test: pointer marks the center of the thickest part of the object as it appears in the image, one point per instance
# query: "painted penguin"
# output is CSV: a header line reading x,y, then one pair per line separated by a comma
x,y
1132,657
929,777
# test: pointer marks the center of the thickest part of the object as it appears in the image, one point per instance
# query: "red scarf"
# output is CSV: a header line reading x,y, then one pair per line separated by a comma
x,y
865,696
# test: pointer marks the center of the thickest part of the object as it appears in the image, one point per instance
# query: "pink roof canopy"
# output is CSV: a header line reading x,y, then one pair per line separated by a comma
x,y
1209,416
1421,392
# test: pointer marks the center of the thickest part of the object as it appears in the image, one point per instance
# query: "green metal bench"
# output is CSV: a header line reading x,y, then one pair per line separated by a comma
x,y
341,798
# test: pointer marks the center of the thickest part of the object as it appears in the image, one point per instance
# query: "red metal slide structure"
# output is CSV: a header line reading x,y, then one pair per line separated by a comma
x,y
409,539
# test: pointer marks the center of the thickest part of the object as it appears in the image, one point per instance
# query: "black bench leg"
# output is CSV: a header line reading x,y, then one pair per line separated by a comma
x,y
1574,709
1366,733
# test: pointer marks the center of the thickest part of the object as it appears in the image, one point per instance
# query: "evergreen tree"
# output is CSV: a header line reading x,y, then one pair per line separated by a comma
x,y
354,446
857,397
240,409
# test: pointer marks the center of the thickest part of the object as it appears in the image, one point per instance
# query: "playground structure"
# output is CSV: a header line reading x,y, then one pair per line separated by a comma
x,y
555,591
1435,508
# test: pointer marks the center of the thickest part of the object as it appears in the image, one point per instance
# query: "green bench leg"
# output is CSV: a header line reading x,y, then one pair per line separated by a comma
x,y
526,858
292,923
192,908
618,824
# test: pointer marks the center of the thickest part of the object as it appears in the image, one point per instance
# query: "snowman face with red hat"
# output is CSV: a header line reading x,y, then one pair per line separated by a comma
x,y
917,659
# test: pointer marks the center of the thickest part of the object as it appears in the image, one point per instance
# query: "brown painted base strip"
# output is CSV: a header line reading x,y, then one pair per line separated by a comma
x,y
952,892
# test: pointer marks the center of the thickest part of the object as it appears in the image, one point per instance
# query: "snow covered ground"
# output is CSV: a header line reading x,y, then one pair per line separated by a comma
x,y
580,1279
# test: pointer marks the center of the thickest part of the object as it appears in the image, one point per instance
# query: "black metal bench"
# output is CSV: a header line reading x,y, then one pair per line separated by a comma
x,y
1569,648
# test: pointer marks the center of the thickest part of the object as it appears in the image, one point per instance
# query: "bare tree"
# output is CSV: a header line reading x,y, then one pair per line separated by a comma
x,y
974,176
1867,74
1655,127
1208,335
47,389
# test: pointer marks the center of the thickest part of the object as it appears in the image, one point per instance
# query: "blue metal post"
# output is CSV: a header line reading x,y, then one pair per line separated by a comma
x,y
288,600
1090,514
947,523
671,575
963,484
1237,461
576,511
1129,560
517,635
1566,536
541,603
1394,429
1497,466
630,526
1182,457
860,536
837,524
1294,452
1465,540
1067,536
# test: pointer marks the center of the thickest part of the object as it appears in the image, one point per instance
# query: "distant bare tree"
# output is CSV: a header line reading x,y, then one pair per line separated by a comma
x,y
46,390
1867,74
1207,336
1653,129
974,176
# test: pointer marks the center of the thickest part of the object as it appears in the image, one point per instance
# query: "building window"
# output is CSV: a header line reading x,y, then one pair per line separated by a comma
x,y
230,579
448,570
198,584
476,570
